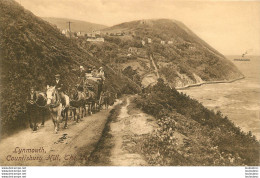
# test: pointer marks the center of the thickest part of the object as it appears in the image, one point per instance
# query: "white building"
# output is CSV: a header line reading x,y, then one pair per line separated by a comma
x,y
67,33
96,40
63,32
89,34
149,40
143,42
162,42
170,42
80,34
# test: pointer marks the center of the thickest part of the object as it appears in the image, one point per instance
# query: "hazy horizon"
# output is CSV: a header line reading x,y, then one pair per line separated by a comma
x,y
231,27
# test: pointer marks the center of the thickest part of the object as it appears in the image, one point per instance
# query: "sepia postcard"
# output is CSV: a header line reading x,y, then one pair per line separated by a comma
x,y
129,83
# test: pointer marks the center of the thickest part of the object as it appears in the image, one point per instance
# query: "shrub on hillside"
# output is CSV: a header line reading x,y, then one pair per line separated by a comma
x,y
207,132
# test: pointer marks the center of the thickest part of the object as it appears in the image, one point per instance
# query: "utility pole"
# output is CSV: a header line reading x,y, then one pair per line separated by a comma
x,y
69,22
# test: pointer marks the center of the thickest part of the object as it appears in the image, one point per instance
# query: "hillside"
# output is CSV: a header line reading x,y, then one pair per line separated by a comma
x,y
76,26
190,134
32,52
171,51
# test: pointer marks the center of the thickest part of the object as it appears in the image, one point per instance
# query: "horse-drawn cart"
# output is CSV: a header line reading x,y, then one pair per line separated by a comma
x,y
93,89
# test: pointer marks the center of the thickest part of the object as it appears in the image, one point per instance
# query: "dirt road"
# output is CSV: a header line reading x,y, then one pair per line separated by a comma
x,y
121,143
70,146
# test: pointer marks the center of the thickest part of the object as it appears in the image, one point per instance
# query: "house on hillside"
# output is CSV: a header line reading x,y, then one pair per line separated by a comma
x,y
63,32
119,34
67,33
149,40
143,42
170,42
96,40
89,35
79,34
163,42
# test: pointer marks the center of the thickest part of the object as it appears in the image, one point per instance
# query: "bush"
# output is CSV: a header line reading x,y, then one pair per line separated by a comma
x,y
211,139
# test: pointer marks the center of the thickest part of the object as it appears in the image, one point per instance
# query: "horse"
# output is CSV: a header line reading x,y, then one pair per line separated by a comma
x,y
55,106
36,109
65,111
90,100
78,103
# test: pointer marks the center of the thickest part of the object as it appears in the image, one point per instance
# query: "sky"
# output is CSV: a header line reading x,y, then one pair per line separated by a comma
x,y
231,27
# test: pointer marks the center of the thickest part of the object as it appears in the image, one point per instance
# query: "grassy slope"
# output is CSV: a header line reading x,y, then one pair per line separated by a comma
x,y
32,52
192,135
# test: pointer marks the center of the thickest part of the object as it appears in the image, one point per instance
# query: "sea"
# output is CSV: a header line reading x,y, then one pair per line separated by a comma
x,y
240,100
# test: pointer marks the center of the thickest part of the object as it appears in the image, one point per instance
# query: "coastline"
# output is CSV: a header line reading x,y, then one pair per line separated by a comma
x,y
208,82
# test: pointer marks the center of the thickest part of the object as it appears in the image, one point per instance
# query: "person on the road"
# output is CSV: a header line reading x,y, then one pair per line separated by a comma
x,y
31,98
31,107
101,75
94,71
60,88
89,70
81,76
81,72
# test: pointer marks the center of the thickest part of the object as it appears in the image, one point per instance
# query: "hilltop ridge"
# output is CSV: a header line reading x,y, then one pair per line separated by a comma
x,y
77,25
